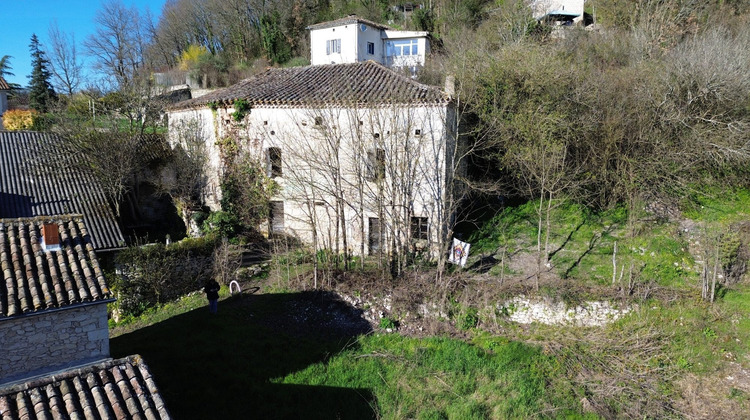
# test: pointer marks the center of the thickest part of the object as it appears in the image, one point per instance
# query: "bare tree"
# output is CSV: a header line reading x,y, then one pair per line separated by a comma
x,y
66,67
118,42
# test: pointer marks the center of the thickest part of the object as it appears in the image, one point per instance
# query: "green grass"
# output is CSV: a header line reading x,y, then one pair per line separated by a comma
x,y
247,359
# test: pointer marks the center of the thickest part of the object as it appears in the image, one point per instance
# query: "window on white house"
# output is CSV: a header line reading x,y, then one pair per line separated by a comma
x,y
273,162
402,47
371,48
419,228
333,46
374,238
418,132
276,217
375,164
318,120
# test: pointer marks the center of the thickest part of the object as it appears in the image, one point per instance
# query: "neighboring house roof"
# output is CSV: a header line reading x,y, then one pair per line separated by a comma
x,y
331,84
3,84
26,191
117,389
35,279
351,19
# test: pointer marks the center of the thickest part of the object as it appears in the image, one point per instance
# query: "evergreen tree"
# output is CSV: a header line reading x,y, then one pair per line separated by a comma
x,y
41,94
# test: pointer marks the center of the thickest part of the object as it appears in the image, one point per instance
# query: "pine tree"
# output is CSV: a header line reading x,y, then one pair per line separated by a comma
x,y
41,94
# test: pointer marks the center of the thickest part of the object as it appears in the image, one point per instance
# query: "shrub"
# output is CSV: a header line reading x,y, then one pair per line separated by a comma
x,y
156,273
19,119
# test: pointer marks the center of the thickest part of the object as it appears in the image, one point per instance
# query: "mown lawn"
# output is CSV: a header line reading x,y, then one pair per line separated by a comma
x,y
258,359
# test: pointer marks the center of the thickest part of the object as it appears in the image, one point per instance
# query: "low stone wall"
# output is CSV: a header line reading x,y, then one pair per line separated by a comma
x,y
524,310
31,345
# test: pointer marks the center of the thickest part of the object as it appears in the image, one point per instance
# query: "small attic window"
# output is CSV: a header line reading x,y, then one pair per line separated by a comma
x,y
418,132
50,237
265,122
376,135
318,120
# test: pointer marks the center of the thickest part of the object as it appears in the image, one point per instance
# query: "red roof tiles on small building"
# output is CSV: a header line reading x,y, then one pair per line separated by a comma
x,y
115,389
35,279
365,83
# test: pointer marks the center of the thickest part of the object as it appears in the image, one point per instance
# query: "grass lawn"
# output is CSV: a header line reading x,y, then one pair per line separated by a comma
x,y
274,356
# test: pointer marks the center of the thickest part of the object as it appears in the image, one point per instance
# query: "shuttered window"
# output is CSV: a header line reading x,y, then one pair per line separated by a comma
x,y
374,238
277,217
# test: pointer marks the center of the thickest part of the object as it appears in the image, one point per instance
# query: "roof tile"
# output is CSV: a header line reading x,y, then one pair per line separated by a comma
x,y
36,279
25,192
96,391
363,83
3,84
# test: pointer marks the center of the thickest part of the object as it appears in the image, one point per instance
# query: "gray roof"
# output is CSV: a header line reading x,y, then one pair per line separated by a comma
x,y
348,20
115,389
35,279
364,83
3,84
26,192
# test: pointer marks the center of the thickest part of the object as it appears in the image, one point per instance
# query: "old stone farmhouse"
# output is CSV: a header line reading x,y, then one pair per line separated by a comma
x,y
28,189
364,156
55,360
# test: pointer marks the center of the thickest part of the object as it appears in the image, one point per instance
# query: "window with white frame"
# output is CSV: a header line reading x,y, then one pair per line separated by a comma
x,y
333,46
402,47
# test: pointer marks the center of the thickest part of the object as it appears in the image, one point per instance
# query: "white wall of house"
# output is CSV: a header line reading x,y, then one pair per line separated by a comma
x,y
389,47
52,340
542,7
322,53
204,117
320,146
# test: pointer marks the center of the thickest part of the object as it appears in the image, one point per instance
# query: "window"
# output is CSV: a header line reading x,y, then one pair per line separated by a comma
x,y
418,132
318,120
374,238
273,162
402,47
419,228
375,164
277,217
371,48
333,46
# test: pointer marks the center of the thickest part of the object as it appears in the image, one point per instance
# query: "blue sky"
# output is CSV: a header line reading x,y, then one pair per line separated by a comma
x,y
21,18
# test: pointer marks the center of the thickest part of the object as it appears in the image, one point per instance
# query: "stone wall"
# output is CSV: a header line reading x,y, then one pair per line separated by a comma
x,y
32,345
592,313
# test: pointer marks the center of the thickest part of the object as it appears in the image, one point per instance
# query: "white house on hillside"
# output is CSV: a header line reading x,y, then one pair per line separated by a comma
x,y
353,39
558,10
364,156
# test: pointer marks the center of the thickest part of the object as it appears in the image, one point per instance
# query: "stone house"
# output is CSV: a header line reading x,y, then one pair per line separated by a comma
x,y
353,39
53,305
365,157
54,334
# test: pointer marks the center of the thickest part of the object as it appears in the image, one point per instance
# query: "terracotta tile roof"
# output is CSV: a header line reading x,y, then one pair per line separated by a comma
x,y
365,83
3,84
25,192
116,389
351,19
35,279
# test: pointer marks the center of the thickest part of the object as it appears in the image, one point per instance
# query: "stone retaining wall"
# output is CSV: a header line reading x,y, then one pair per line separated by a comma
x,y
30,345
593,313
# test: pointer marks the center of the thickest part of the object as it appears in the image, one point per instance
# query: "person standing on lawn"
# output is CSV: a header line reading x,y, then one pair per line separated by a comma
x,y
212,293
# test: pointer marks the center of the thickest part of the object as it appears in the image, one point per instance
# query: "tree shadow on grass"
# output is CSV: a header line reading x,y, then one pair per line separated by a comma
x,y
221,366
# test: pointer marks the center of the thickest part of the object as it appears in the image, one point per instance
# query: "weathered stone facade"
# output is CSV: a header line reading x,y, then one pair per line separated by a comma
x,y
52,340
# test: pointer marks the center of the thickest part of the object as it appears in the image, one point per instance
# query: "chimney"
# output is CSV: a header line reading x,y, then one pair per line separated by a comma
x,y
450,85
50,237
